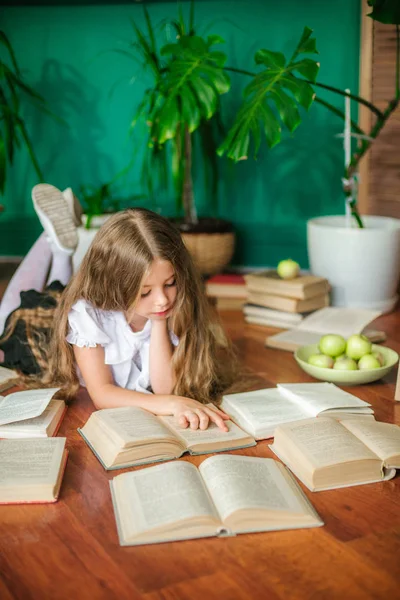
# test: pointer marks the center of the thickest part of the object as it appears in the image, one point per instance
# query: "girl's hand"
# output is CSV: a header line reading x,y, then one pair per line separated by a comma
x,y
193,414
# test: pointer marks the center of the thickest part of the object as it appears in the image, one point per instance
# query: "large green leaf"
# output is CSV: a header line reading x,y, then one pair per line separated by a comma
x,y
273,98
385,11
195,79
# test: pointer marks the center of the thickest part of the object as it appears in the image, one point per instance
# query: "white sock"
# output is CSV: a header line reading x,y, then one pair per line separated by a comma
x,y
61,267
31,274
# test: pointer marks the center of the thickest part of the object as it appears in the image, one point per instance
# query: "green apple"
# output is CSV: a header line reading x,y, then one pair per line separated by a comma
x,y
358,345
321,360
288,269
332,344
379,356
345,364
368,361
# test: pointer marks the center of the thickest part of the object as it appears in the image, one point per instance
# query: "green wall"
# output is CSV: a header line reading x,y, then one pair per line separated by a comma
x,y
66,53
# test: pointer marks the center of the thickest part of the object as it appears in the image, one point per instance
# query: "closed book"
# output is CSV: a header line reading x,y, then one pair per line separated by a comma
x,y
31,470
270,323
292,305
254,310
226,285
302,287
229,303
8,378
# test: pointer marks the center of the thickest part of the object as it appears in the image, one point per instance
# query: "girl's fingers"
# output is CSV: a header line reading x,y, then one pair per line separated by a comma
x,y
193,419
183,422
203,418
220,412
215,418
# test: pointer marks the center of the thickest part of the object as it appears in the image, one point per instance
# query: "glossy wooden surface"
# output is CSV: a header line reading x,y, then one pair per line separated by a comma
x,y
70,549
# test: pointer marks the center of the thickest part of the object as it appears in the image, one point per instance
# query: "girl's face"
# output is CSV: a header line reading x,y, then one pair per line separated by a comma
x,y
158,292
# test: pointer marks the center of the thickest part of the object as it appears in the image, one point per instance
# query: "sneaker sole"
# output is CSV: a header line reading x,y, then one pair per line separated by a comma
x,y
50,201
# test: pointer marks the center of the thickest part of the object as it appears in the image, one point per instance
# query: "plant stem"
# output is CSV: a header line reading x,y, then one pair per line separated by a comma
x,y
234,70
369,105
187,189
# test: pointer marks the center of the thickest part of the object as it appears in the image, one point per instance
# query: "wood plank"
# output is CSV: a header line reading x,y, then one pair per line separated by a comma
x,y
71,548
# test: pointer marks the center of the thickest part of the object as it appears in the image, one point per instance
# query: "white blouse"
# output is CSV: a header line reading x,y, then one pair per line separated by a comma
x,y
126,351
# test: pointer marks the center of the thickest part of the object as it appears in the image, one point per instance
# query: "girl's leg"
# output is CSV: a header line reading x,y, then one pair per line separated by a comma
x,y
31,274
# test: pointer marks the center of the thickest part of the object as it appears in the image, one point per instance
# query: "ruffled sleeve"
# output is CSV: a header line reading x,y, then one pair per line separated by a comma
x,y
85,327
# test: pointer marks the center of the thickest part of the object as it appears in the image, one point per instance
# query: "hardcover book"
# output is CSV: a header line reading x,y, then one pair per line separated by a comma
x,y
261,411
31,470
326,454
8,378
31,413
128,436
343,321
292,305
302,287
225,496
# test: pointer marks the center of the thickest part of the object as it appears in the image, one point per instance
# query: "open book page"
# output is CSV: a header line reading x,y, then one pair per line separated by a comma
x,y
259,412
322,442
29,462
211,437
244,483
130,424
343,321
158,499
36,426
381,438
319,397
24,405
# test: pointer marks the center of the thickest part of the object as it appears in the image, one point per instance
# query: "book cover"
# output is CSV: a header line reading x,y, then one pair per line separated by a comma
x,y
302,287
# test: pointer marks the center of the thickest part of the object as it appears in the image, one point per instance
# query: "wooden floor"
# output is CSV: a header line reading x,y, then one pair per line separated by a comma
x,y
70,549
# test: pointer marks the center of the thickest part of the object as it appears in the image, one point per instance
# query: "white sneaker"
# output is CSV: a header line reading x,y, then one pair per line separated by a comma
x,y
54,214
74,206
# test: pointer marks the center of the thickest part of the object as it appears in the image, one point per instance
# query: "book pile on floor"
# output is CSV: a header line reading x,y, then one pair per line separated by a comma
x,y
32,459
227,291
283,303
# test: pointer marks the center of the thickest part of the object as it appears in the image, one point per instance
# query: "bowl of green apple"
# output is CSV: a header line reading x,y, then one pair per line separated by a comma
x,y
346,362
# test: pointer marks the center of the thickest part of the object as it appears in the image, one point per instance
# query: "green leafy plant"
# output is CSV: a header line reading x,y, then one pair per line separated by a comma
x,y
13,130
189,77
102,199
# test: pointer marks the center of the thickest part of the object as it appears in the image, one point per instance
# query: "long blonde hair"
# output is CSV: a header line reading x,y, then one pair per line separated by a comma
x,y
110,278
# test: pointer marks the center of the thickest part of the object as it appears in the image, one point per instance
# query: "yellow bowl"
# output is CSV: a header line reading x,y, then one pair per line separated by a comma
x,y
346,377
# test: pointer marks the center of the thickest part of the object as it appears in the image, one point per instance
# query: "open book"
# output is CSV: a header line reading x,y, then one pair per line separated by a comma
x,y
8,378
343,321
326,454
123,437
31,470
260,412
31,413
226,495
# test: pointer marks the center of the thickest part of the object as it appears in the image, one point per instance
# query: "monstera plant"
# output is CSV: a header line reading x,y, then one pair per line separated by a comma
x,y
188,78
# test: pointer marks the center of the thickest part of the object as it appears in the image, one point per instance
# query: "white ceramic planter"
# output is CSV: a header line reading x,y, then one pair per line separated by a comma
x,y
362,265
85,238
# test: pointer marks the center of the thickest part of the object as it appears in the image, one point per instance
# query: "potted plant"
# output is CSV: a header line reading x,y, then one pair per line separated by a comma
x,y
98,204
361,255
188,78
13,130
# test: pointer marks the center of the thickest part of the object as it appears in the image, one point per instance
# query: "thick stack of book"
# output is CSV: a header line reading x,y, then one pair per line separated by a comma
x,y
283,303
227,291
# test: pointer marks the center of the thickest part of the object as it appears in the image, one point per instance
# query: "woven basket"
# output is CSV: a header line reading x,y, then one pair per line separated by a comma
x,y
211,252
